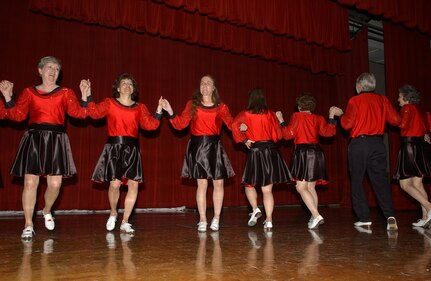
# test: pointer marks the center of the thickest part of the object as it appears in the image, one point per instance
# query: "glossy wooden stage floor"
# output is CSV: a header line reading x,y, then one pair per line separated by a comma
x,y
167,246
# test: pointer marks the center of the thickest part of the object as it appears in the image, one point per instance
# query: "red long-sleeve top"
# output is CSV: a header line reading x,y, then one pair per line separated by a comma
x,y
367,114
123,120
413,123
206,122
45,107
261,127
306,127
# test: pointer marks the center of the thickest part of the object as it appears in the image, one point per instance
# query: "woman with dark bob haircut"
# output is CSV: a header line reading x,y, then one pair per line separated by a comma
x,y
413,161
308,169
120,160
264,165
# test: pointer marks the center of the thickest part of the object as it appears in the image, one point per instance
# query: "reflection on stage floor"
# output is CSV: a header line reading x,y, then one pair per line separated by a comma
x,y
167,246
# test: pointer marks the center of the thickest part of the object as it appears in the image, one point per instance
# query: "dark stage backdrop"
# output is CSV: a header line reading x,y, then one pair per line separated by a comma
x,y
172,68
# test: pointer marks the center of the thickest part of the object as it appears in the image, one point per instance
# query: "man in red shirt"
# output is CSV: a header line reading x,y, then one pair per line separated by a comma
x,y
366,116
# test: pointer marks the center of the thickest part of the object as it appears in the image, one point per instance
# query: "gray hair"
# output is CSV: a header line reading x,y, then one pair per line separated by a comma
x,y
367,81
410,94
49,59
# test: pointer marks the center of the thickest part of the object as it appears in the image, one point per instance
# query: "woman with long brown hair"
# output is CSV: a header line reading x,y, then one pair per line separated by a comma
x,y
205,157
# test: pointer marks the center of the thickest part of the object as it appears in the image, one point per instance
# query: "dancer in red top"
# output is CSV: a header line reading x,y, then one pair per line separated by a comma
x,y
413,161
120,160
366,116
205,157
264,165
44,149
308,159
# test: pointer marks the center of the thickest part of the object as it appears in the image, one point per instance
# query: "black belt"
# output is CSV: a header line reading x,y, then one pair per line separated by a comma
x,y
412,139
369,136
263,144
205,137
47,127
123,140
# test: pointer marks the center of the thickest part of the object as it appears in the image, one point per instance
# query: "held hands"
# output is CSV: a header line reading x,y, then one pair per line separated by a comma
x,y
335,111
249,143
6,89
427,138
166,106
85,87
279,116
160,106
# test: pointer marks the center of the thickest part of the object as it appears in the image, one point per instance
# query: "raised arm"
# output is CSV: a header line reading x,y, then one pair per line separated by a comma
x,y
99,110
327,129
392,116
4,88
148,121
179,122
349,117
95,111
79,109
75,108
14,111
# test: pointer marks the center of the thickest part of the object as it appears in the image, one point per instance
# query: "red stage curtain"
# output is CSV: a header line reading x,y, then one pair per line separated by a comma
x,y
162,67
411,14
169,68
321,22
407,61
153,18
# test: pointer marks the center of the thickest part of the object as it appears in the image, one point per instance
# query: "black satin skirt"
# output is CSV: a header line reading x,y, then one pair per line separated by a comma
x,y
265,165
44,150
206,159
413,159
120,159
309,164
